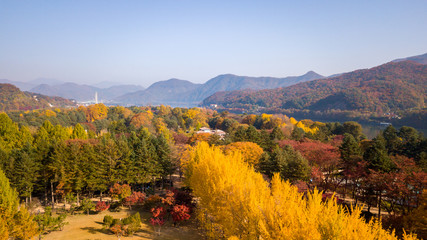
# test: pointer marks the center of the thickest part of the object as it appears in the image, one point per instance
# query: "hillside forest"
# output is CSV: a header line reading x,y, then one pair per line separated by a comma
x,y
266,176
393,92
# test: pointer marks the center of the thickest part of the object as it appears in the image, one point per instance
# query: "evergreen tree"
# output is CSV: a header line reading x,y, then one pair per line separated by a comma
x,y
349,149
9,133
25,171
376,156
288,162
163,156
391,139
297,134
354,129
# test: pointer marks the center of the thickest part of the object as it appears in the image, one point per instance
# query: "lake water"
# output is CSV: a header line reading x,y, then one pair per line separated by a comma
x,y
372,130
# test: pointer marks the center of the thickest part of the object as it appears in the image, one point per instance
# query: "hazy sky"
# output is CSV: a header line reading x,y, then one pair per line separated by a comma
x,y
143,42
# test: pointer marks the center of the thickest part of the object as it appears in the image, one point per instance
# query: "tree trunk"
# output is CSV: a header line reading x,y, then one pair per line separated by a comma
x,y
163,182
78,200
53,198
379,205
45,194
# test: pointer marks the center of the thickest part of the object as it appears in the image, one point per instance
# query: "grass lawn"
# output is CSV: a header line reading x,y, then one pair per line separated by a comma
x,y
82,227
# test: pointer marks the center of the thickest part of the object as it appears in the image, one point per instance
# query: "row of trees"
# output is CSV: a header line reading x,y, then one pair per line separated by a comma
x,y
54,162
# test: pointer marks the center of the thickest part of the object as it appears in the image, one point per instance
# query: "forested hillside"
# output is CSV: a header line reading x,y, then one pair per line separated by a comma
x,y
387,88
11,98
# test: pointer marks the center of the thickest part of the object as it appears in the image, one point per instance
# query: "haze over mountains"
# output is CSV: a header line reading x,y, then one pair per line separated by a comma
x,y
182,93
175,92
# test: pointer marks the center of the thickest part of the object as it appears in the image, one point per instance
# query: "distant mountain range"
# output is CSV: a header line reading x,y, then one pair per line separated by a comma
x,y
11,98
175,92
79,92
398,85
182,93
84,92
419,59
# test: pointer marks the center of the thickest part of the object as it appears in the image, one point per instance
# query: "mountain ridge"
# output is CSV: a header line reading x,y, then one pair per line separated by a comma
x,y
191,94
11,98
388,87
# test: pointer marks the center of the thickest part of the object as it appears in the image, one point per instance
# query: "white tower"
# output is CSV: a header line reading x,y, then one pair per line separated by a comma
x,y
96,97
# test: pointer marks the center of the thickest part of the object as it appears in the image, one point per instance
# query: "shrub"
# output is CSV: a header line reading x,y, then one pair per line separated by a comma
x,y
120,191
134,198
108,221
132,223
180,213
126,227
101,206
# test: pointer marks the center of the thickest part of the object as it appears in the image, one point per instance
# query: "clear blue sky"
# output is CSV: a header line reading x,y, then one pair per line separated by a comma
x,y
143,42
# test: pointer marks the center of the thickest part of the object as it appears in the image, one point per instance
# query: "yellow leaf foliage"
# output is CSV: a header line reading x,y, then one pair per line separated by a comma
x,y
48,113
236,202
251,152
293,121
94,112
310,128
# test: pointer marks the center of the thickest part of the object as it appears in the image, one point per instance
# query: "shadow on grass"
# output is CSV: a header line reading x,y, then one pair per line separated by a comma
x,y
93,230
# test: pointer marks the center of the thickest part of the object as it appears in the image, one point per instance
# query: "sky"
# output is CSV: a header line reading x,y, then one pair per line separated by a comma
x,y
145,41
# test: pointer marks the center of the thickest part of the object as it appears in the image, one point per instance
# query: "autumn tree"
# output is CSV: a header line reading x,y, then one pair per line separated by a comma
x,y
234,201
250,151
96,112
79,132
15,221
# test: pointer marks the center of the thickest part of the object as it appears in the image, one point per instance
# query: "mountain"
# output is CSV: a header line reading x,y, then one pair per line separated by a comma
x,y
419,59
389,87
170,92
83,92
23,86
177,92
229,82
11,98
106,84
67,90
48,81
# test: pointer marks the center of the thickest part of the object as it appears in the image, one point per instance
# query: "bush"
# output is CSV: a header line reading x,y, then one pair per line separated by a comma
x,y
180,213
126,227
133,223
134,198
120,191
108,221
101,206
